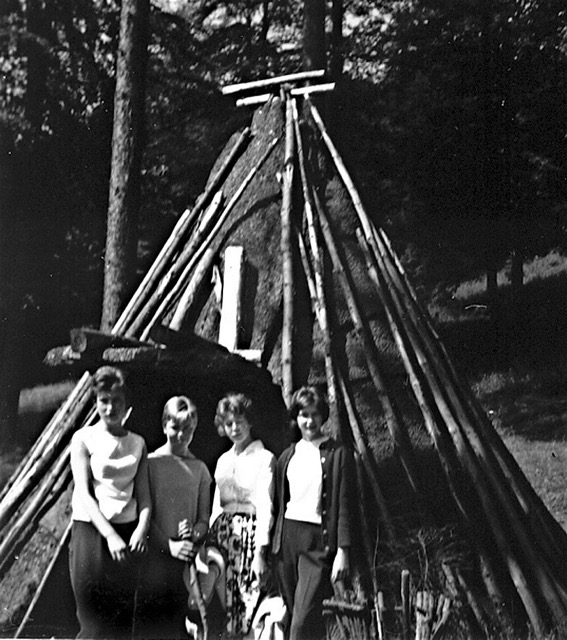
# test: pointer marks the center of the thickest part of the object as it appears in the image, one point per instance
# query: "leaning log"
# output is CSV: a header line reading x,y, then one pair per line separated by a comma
x,y
198,280
168,281
317,264
85,339
354,421
57,434
363,332
52,484
517,564
36,451
187,266
287,256
542,521
177,236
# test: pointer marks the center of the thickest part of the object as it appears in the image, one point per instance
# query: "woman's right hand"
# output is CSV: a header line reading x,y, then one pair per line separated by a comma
x,y
117,547
183,550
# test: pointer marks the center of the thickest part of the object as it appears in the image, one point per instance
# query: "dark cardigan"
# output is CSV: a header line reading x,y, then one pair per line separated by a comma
x,y
336,464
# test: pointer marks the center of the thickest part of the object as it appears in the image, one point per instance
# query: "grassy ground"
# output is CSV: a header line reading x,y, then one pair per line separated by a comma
x,y
36,407
517,366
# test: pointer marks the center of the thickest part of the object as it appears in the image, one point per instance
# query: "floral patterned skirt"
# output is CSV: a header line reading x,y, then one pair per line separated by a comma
x,y
233,535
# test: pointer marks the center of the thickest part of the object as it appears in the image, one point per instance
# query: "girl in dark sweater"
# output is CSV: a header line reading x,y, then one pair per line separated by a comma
x,y
312,535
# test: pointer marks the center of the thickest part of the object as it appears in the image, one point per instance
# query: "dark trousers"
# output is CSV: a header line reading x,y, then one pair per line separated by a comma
x,y
304,573
162,598
104,590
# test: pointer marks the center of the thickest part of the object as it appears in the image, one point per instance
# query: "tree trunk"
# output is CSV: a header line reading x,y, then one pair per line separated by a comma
x,y
491,281
314,50
127,149
337,40
265,22
37,23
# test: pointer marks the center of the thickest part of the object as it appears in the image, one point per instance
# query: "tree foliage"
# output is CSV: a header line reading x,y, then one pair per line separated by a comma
x,y
472,112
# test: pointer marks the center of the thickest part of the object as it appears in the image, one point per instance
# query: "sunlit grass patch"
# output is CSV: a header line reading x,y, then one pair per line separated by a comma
x,y
544,463
44,397
8,463
540,268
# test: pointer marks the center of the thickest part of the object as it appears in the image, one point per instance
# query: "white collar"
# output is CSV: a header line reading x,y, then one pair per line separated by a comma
x,y
255,445
313,443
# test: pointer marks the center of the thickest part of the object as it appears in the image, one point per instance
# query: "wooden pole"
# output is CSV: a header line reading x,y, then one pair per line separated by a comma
x,y
317,267
446,452
532,505
36,450
33,511
188,263
168,280
300,91
479,459
502,533
198,279
516,573
399,436
287,256
174,240
354,420
39,591
36,465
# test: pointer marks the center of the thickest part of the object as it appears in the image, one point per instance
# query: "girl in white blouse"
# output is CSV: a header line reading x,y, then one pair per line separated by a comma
x,y
242,512
111,513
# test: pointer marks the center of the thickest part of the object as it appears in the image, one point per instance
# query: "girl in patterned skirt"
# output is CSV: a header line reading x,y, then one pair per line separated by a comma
x,y
242,511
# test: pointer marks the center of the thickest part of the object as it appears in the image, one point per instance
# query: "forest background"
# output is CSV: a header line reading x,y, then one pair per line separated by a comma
x,y
450,114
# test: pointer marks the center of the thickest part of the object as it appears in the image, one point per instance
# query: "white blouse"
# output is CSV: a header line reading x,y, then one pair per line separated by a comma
x,y
114,463
305,477
245,484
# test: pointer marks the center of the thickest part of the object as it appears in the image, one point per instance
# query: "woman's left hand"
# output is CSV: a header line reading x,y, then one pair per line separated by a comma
x,y
259,567
138,541
341,565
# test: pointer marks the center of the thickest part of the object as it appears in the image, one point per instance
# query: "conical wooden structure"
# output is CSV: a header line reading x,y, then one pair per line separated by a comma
x,y
322,298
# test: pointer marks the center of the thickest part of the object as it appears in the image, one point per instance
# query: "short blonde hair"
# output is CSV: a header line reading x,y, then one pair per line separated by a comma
x,y
178,408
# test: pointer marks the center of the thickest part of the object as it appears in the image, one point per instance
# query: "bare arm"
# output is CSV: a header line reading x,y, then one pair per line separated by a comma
x,y
264,503
201,525
139,538
80,466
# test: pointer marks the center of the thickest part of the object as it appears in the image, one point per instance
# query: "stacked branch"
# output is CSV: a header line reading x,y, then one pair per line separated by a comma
x,y
462,440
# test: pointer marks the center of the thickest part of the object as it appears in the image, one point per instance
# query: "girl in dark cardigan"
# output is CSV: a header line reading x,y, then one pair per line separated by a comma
x,y
312,535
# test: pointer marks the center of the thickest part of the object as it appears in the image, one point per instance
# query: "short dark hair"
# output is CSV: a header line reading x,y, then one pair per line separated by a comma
x,y
238,404
304,397
178,408
107,378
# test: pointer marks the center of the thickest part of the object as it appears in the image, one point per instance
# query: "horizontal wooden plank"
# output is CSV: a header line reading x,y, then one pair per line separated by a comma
x,y
297,91
268,82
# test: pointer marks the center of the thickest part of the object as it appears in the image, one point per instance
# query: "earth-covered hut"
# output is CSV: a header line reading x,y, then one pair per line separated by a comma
x,y
452,538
